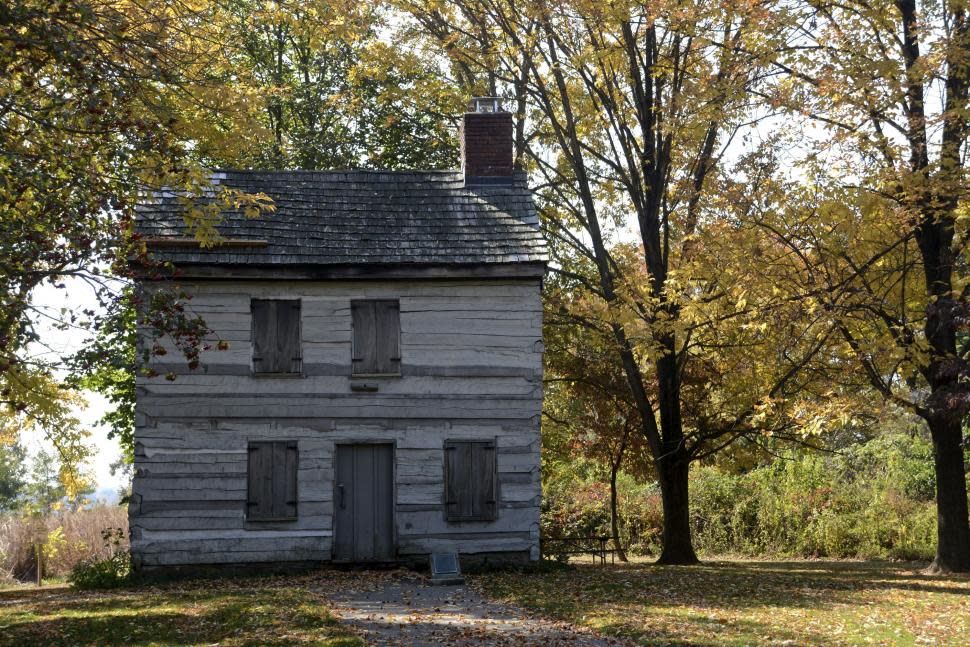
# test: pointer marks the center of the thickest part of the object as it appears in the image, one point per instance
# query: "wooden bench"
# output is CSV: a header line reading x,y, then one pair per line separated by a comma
x,y
596,547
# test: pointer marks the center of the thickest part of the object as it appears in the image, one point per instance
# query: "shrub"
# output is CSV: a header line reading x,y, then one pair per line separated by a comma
x,y
104,572
641,515
871,501
874,500
579,506
573,508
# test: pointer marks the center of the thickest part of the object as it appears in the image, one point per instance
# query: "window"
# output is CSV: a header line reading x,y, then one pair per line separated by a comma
x,y
470,480
377,337
276,337
271,480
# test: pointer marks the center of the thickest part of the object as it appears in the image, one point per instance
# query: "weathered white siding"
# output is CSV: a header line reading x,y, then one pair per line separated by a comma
x,y
471,368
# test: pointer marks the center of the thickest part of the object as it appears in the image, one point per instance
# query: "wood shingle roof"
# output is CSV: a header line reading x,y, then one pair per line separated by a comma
x,y
347,218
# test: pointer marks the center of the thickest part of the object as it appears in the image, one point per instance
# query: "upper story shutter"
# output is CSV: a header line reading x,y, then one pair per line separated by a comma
x,y
377,335
388,315
364,358
264,335
290,355
276,336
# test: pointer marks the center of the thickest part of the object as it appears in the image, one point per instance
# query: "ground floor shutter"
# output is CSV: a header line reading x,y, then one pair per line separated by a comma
x,y
272,480
470,472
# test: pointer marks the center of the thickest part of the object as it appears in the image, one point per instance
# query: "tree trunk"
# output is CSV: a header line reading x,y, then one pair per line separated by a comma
x,y
615,517
936,205
677,545
39,553
946,404
952,519
673,463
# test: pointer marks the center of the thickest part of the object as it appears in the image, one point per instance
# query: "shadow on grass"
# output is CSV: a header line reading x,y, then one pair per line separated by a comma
x,y
448,632
789,583
696,632
749,602
161,628
173,616
840,576
24,592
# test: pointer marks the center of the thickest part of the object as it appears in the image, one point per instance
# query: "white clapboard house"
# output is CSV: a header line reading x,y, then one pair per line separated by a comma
x,y
380,397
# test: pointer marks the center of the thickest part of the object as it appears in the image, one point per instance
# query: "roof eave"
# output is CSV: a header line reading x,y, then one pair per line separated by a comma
x,y
359,271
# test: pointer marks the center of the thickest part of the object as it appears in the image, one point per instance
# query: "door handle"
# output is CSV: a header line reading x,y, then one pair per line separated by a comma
x,y
343,501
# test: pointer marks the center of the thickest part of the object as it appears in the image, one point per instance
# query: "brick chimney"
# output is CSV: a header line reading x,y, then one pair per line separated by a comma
x,y
486,142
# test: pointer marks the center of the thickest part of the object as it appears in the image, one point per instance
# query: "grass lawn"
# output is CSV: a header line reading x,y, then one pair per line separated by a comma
x,y
719,603
750,602
231,612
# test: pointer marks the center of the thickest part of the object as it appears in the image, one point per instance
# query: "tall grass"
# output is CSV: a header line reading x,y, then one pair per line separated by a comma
x,y
67,537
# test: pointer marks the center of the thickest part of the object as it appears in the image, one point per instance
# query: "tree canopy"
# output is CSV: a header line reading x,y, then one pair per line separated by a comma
x,y
103,102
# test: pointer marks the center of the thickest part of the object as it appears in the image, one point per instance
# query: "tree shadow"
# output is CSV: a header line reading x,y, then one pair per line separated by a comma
x,y
686,634
415,613
456,631
727,602
25,593
840,576
172,617
109,630
785,583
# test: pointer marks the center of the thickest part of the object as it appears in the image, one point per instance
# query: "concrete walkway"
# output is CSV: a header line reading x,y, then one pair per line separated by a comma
x,y
404,609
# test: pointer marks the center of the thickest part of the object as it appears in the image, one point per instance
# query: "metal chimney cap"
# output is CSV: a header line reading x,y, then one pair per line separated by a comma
x,y
486,104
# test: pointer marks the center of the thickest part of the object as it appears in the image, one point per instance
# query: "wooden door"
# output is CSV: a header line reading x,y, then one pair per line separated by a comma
x,y
363,504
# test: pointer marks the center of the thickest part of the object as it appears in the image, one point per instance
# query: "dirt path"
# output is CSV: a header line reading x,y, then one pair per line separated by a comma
x,y
404,609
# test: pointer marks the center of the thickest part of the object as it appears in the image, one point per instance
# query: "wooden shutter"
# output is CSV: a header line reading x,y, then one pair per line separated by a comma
x,y
388,315
259,500
290,355
377,334
264,334
364,350
470,493
483,483
456,481
272,480
284,475
276,336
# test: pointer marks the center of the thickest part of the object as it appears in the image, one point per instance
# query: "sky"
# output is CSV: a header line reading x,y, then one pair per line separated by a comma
x,y
75,296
